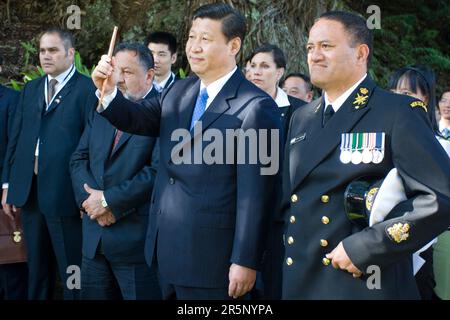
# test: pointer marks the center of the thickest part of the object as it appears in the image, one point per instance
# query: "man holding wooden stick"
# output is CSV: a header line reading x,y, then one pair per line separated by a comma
x,y
207,221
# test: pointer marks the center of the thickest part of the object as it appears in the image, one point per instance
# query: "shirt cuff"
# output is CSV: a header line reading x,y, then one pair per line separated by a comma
x,y
5,186
106,99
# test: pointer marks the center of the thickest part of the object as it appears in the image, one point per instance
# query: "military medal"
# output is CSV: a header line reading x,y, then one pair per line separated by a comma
x,y
368,147
356,147
346,155
378,153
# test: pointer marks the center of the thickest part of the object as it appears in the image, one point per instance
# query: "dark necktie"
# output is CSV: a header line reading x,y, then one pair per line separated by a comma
x,y
329,111
51,90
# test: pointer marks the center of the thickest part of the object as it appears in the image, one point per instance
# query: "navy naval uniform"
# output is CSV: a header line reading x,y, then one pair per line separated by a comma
x,y
317,171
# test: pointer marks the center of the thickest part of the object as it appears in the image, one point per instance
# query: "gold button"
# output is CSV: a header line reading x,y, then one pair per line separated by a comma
x,y
325,198
294,198
323,242
290,240
289,261
292,219
325,220
326,261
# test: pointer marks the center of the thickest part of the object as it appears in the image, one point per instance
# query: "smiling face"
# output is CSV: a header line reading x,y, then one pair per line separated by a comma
x,y
444,106
210,54
335,63
264,72
54,58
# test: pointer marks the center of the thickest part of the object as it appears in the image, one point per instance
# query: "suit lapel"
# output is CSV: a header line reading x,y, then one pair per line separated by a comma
x,y
126,136
220,103
323,141
62,94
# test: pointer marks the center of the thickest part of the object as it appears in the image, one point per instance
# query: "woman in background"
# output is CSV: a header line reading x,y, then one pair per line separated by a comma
x,y
419,81
267,66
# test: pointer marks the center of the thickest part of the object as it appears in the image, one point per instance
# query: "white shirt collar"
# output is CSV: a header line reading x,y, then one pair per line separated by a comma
x,y
62,79
62,76
162,84
214,88
442,127
343,97
282,98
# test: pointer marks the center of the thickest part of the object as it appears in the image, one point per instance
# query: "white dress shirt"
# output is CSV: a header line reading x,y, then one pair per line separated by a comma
x,y
336,104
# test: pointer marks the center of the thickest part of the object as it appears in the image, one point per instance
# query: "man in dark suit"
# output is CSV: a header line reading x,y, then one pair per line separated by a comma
x,y
207,221
163,46
357,130
49,120
13,276
113,178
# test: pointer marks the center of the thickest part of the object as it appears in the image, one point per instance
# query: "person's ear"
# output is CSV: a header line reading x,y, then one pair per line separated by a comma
x,y
71,53
150,75
363,53
173,59
235,45
280,72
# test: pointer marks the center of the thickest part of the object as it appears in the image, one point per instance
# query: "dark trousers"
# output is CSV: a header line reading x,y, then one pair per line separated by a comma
x,y
53,243
13,281
425,276
271,273
175,292
105,280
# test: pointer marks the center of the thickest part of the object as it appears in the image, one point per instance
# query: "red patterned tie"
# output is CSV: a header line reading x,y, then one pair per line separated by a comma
x,y
117,139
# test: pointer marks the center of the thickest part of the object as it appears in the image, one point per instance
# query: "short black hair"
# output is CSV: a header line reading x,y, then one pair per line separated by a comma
x,y
233,22
164,38
302,76
419,77
277,54
446,89
356,26
66,36
143,53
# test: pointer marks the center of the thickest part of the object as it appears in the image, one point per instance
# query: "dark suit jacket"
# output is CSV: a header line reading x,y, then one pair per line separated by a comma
x,y
127,179
204,217
59,130
8,101
313,168
286,113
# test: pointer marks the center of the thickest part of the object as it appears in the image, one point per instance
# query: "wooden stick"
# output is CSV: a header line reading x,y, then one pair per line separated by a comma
x,y
110,53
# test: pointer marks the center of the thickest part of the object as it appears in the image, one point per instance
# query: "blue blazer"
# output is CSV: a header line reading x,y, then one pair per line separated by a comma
x,y
126,176
8,101
204,217
59,130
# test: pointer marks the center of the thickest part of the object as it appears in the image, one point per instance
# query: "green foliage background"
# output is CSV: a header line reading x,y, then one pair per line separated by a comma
x,y
411,31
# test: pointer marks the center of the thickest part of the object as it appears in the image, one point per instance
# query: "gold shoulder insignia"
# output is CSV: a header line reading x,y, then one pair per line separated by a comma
x,y
364,90
360,100
419,103
399,232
